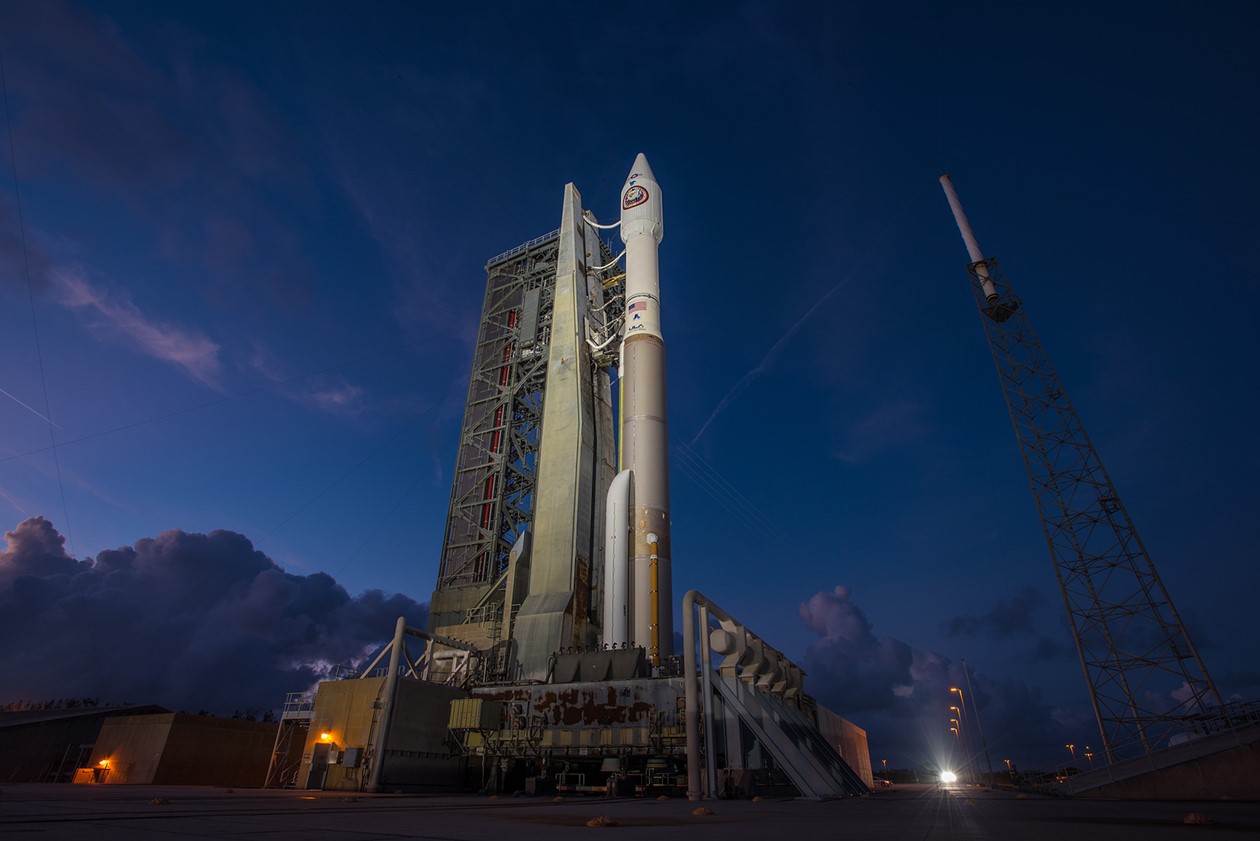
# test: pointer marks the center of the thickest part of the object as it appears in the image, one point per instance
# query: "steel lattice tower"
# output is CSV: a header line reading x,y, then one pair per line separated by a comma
x,y
522,556
1146,679
496,468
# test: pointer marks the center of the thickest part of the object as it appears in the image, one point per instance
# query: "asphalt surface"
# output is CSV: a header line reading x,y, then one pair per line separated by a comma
x,y
914,813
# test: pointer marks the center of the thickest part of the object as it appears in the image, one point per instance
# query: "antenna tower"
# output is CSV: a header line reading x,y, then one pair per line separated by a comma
x,y
1146,679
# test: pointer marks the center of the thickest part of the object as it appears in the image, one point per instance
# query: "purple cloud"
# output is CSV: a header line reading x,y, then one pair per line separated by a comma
x,y
185,620
901,693
113,316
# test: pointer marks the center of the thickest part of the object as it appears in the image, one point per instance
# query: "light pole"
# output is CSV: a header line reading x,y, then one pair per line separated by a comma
x,y
885,761
963,750
1090,757
971,745
983,743
1072,750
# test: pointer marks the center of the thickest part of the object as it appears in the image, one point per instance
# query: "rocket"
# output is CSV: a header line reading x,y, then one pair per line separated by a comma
x,y
638,604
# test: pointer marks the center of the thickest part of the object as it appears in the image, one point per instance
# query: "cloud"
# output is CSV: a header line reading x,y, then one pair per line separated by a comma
x,y
893,425
901,694
329,393
185,620
1007,617
186,148
1047,650
386,205
113,316
859,670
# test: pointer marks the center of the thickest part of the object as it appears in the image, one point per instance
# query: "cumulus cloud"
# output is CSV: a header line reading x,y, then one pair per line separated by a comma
x,y
859,671
900,693
185,620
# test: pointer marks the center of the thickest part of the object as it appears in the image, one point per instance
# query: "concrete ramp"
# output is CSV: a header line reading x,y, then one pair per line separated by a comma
x,y
809,761
1217,767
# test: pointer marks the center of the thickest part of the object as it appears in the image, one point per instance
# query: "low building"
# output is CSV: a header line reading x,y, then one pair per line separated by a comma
x,y
181,749
46,746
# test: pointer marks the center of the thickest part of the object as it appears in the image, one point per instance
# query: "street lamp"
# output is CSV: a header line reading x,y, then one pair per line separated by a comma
x,y
971,745
984,743
1008,765
1090,757
1072,750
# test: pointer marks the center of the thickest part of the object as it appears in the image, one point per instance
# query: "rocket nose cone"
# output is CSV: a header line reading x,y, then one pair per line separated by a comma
x,y
641,168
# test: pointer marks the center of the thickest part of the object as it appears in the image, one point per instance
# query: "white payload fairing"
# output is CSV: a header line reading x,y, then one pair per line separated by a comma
x,y
638,586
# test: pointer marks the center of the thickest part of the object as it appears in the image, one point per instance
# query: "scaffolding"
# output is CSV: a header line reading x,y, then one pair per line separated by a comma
x,y
486,550
496,465
286,754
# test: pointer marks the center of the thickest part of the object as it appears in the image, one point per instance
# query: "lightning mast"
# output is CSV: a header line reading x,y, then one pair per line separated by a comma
x,y
1146,679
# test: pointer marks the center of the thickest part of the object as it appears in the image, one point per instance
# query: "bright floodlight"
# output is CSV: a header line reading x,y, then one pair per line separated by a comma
x,y
948,776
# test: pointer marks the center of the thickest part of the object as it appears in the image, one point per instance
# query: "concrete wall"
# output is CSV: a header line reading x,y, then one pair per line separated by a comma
x,y
849,740
417,757
345,710
201,750
182,749
132,745
38,746
1228,775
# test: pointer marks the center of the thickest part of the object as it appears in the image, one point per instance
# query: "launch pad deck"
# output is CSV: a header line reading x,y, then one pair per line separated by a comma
x,y
55,812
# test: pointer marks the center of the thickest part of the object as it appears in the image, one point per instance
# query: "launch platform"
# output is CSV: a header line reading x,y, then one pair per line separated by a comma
x,y
548,665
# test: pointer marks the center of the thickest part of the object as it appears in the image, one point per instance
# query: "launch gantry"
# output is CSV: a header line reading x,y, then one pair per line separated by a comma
x,y
491,529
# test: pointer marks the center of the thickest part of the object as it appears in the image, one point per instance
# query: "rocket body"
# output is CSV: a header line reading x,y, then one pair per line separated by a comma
x,y
644,449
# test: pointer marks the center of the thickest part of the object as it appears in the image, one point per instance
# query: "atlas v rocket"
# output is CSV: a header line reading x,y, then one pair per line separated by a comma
x,y
638,591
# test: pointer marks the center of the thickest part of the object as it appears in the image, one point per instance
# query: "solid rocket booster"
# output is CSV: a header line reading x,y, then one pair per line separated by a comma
x,y
643,429
969,239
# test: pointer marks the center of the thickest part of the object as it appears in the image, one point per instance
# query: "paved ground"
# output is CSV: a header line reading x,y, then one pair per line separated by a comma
x,y
912,813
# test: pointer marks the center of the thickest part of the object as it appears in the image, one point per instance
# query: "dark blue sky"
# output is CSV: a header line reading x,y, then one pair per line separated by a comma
x,y
255,235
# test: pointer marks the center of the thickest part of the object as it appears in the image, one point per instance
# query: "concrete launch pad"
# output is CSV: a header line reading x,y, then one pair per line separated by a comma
x,y
930,813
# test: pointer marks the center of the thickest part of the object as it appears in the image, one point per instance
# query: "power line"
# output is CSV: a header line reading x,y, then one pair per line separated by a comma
x,y
30,292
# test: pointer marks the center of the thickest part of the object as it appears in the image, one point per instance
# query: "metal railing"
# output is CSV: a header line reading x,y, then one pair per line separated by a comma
x,y
512,252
